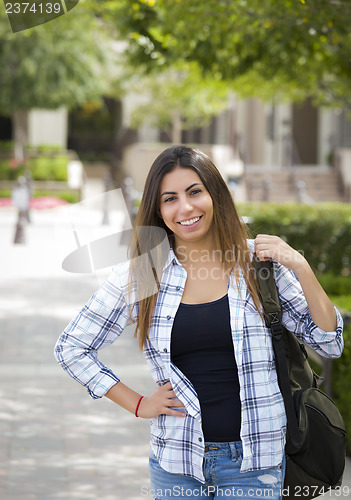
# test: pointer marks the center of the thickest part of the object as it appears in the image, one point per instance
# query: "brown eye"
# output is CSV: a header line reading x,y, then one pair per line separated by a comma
x,y
170,198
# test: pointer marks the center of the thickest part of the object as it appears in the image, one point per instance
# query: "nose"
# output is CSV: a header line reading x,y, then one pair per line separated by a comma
x,y
185,205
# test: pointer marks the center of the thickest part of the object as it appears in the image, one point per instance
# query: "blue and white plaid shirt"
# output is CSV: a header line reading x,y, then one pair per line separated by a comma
x,y
178,443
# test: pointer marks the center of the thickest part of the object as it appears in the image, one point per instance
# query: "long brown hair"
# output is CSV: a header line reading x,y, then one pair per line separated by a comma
x,y
230,231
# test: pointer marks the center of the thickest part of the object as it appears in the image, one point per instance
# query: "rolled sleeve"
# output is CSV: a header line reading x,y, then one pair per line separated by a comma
x,y
296,316
102,383
327,344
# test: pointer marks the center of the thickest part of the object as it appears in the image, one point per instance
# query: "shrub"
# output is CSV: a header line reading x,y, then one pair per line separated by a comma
x,y
4,170
59,168
341,382
9,172
322,232
40,168
44,148
46,168
67,195
342,302
5,193
335,284
6,146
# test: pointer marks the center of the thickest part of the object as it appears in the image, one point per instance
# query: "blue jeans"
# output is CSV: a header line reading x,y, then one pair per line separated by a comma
x,y
223,478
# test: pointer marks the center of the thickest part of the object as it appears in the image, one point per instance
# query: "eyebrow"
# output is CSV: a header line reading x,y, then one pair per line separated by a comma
x,y
186,190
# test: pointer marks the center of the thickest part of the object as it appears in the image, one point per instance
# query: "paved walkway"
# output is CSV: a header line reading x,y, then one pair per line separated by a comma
x,y
55,442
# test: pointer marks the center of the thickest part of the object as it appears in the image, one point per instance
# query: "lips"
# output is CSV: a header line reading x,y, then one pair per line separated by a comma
x,y
190,222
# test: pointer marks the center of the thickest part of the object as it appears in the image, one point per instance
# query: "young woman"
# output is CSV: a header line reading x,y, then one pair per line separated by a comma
x,y
218,423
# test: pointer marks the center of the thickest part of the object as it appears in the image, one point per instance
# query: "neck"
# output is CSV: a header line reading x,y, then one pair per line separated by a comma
x,y
187,251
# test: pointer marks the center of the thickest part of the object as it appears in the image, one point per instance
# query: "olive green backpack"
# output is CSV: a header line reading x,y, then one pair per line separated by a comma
x,y
315,445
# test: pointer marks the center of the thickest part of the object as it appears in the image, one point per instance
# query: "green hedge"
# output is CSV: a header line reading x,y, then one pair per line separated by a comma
x,y
45,168
341,374
6,146
341,383
67,195
42,168
10,173
322,232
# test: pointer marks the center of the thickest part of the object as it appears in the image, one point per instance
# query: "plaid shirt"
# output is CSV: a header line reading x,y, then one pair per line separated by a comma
x,y
178,443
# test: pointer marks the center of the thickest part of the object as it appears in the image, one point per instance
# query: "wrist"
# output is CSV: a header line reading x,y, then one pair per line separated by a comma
x,y
137,406
300,266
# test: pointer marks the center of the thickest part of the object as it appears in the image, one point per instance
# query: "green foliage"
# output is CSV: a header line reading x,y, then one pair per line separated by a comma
x,y
322,232
264,48
336,285
44,148
67,195
5,193
45,168
42,168
6,146
9,172
342,302
341,383
61,63
58,167
171,93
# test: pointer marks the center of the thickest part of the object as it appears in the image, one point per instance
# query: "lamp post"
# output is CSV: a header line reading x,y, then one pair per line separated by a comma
x,y
20,200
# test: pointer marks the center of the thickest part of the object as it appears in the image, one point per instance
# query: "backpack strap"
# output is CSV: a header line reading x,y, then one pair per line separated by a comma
x,y
273,318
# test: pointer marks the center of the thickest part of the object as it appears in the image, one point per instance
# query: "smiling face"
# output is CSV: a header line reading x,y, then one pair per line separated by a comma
x,y
186,207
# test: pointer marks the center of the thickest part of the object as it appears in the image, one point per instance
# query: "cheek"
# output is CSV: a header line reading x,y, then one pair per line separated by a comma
x,y
209,208
166,214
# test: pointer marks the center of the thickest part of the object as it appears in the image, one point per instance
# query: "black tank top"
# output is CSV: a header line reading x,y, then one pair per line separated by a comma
x,y
202,348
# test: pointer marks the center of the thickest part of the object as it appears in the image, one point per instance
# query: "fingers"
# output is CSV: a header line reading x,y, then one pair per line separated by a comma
x,y
272,247
172,402
265,242
174,413
176,402
171,395
163,401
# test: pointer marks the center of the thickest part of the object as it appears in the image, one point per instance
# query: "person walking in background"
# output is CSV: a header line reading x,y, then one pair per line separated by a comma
x,y
217,417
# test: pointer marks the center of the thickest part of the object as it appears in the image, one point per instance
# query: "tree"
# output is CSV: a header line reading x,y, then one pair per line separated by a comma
x,y
264,48
179,98
61,63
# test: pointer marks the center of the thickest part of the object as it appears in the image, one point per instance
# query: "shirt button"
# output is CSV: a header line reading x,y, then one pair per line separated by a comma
x,y
200,440
165,349
168,317
178,288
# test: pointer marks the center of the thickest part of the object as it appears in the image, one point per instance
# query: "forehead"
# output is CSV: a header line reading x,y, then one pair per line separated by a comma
x,y
179,179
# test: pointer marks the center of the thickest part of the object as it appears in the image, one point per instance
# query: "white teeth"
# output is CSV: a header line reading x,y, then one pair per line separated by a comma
x,y
190,221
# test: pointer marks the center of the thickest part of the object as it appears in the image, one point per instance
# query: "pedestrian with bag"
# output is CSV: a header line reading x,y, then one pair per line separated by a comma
x,y
217,416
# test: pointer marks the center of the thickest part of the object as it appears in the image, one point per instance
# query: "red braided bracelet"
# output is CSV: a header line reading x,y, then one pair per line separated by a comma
x,y
137,406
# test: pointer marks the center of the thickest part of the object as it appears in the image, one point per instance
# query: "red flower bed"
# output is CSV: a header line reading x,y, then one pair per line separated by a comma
x,y
39,203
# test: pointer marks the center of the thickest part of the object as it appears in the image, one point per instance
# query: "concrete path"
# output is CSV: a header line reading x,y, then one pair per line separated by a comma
x,y
55,442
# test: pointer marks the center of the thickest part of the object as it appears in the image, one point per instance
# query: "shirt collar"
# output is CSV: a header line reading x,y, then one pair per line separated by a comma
x,y
171,259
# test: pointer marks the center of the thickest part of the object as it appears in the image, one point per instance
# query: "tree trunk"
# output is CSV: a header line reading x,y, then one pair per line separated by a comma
x,y
20,127
177,128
